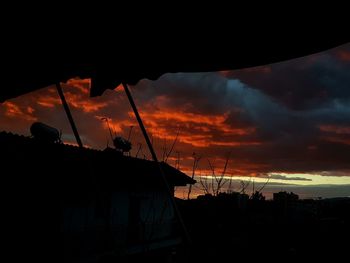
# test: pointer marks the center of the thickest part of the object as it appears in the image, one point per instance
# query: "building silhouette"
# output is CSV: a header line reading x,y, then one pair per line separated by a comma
x,y
94,203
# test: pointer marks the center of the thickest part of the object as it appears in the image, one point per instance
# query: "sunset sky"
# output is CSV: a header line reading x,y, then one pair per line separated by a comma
x,y
289,121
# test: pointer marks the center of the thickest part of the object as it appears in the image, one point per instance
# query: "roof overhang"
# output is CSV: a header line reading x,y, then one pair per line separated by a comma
x,y
126,55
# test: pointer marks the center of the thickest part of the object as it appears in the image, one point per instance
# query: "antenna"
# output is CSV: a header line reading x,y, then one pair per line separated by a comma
x,y
109,128
130,132
172,146
139,149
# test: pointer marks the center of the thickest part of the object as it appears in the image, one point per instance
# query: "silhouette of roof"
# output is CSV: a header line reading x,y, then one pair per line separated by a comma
x,y
74,165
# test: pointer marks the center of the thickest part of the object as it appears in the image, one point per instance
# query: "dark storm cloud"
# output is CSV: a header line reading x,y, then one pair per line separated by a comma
x,y
297,108
200,92
310,82
211,93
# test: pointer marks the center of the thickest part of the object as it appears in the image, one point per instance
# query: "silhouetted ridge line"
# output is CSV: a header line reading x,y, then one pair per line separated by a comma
x,y
18,147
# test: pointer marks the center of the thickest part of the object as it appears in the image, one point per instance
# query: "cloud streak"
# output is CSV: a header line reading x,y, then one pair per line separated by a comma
x,y
286,178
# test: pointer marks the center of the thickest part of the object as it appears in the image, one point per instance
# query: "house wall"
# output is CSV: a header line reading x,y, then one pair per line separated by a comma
x,y
141,216
157,215
131,218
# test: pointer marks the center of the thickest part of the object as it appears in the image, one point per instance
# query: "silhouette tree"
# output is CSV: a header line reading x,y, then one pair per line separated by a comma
x,y
217,182
194,168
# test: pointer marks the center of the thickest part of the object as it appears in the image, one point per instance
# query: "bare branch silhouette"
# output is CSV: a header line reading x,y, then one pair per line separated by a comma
x,y
204,184
194,168
262,188
221,182
173,145
164,150
245,185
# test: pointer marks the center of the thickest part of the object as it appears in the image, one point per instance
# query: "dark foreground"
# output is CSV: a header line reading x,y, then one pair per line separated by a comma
x,y
232,228
229,228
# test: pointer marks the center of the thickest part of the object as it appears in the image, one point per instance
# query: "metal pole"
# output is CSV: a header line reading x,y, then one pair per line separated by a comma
x,y
155,159
69,114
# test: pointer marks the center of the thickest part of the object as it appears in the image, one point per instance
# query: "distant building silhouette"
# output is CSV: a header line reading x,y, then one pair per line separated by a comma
x,y
285,196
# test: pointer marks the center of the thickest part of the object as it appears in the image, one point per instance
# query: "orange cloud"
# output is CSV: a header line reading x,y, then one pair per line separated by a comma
x,y
159,111
115,125
234,167
84,103
49,100
12,110
83,85
185,117
76,93
233,144
206,124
